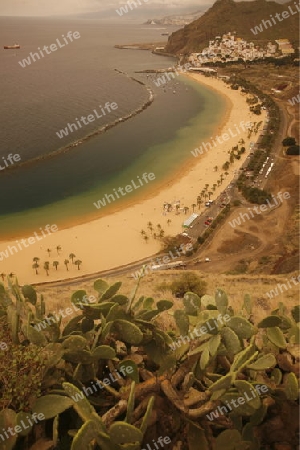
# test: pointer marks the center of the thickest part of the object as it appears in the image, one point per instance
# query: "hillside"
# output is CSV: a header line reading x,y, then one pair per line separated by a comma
x,y
180,20
227,15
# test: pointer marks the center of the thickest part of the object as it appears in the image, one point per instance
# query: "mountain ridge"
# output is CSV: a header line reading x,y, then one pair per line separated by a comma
x,y
178,19
229,16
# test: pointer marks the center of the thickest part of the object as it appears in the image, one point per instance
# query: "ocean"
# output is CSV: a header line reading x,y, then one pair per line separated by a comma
x,y
39,100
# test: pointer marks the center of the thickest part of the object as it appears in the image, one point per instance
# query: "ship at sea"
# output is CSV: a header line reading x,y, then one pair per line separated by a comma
x,y
11,47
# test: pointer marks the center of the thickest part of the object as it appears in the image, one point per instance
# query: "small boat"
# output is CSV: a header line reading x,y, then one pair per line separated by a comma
x,y
11,47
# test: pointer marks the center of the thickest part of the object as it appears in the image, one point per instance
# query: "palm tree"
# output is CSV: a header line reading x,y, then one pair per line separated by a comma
x,y
226,173
55,264
2,275
214,187
216,168
219,182
11,275
154,235
72,256
146,238
221,178
206,187
185,209
58,249
199,201
35,266
46,267
150,226
36,259
77,263
143,232
194,206
49,251
209,194
169,221
66,262
158,226
161,233
177,207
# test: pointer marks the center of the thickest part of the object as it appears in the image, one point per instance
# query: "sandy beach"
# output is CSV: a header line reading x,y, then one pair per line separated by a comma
x,y
116,239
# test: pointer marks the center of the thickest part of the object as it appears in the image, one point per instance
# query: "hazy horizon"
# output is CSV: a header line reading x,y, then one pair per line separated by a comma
x,y
105,9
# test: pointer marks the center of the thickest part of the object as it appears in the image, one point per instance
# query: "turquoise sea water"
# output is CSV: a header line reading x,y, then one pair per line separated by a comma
x,y
62,190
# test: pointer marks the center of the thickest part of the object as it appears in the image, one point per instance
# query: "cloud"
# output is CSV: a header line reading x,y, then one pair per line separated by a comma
x,y
67,7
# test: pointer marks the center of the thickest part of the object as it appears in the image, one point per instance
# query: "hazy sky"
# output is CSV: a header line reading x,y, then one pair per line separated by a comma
x,y
106,8
58,7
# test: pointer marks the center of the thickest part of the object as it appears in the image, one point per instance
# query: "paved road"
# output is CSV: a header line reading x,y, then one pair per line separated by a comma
x,y
198,226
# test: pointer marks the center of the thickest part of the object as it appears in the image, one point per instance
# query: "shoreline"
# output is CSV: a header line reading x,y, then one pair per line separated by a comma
x,y
167,182
96,242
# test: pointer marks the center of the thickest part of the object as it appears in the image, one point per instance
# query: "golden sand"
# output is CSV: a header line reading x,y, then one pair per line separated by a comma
x,y
115,240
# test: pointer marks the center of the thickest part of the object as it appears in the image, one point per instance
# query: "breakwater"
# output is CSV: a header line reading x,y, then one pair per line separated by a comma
x,y
96,132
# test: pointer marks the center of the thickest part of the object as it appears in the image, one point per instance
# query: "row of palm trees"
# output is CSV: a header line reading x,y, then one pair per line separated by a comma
x,y
3,275
155,232
58,249
205,195
207,192
46,265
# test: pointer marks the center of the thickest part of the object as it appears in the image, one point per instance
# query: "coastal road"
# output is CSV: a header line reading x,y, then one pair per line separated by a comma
x,y
198,227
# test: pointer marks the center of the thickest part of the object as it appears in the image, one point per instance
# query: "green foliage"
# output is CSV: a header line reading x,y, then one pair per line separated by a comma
x,y
296,313
147,415
276,336
128,332
231,341
221,301
189,282
265,362
8,419
30,294
256,195
123,433
164,305
293,150
291,386
192,303
29,361
288,141
51,405
182,322
270,321
104,352
48,371
242,327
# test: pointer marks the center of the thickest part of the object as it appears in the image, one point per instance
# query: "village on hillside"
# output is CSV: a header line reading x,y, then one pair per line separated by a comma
x,y
230,48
